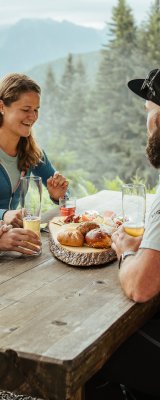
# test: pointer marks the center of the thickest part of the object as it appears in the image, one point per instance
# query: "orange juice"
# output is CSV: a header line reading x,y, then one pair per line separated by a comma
x,y
67,211
133,229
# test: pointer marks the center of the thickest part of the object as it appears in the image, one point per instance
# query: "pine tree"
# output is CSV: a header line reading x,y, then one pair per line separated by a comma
x,y
49,114
110,101
68,77
73,101
122,27
149,35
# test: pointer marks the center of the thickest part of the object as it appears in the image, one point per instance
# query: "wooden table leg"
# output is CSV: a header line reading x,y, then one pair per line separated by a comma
x,y
79,395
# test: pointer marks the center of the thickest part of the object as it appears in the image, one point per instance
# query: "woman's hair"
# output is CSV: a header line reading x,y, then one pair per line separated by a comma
x,y
11,88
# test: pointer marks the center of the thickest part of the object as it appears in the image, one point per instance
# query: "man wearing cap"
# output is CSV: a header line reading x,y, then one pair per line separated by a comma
x,y
133,370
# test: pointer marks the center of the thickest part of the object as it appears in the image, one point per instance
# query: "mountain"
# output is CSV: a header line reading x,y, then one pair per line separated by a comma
x,y
4,29
30,42
90,60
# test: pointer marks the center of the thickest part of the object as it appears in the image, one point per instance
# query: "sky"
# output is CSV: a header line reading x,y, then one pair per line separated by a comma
x,y
93,13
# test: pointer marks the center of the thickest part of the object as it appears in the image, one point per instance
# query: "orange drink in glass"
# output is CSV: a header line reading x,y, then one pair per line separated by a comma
x,y
67,206
134,208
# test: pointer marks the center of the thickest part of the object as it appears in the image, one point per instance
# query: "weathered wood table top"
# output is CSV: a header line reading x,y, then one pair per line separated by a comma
x,y
58,323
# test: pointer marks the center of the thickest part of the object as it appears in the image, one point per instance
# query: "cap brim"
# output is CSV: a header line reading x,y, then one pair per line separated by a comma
x,y
136,86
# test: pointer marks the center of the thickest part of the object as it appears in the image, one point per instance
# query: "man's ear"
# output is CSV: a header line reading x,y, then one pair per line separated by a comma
x,y
157,121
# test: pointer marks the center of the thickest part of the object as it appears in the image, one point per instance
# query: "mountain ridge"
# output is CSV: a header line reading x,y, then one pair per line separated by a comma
x,y
90,60
31,42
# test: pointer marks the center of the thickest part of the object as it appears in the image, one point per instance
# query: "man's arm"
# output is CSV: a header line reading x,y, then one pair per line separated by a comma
x,y
140,275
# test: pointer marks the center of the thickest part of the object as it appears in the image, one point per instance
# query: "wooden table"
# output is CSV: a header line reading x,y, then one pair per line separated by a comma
x,y
59,324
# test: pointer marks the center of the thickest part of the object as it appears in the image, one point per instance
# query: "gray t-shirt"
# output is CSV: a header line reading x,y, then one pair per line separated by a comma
x,y
10,164
151,237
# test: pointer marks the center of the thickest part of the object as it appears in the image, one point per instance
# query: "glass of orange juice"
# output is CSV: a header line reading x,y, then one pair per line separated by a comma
x,y
30,199
134,208
67,206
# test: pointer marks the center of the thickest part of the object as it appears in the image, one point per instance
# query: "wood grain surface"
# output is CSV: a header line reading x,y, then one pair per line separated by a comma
x,y
59,324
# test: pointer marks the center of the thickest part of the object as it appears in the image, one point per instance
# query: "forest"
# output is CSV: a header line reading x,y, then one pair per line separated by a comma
x,y
95,132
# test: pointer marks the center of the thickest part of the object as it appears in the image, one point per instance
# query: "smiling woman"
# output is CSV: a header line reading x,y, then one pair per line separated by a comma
x,y
18,118
19,153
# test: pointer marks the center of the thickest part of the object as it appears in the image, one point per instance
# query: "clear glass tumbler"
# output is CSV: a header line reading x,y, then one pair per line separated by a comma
x,y
67,206
30,200
134,208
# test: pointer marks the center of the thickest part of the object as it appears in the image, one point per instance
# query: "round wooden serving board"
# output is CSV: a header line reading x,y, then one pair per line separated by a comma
x,y
78,256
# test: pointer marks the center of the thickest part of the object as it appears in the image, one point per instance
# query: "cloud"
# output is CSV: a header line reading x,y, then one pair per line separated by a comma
x,y
84,12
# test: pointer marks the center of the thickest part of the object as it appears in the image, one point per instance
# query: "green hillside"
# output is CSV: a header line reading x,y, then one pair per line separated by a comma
x,y
90,60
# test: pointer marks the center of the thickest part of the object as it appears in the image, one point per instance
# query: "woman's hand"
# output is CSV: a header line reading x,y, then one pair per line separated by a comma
x,y
20,240
13,217
57,186
122,242
4,228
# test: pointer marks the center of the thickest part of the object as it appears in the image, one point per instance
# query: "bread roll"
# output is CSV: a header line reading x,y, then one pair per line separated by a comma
x,y
85,227
98,238
70,237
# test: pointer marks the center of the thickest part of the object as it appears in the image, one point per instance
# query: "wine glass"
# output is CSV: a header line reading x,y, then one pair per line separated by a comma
x,y
134,208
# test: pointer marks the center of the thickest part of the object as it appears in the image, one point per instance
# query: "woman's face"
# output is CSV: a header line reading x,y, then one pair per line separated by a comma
x,y
19,117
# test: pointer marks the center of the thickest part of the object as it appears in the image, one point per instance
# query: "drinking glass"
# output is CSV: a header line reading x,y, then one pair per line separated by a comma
x,y
134,208
67,206
30,199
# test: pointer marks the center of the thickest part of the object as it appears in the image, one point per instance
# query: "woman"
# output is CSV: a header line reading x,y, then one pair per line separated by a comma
x,y
19,153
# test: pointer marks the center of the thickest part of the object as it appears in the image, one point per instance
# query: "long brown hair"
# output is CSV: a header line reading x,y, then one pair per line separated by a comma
x,y
11,87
